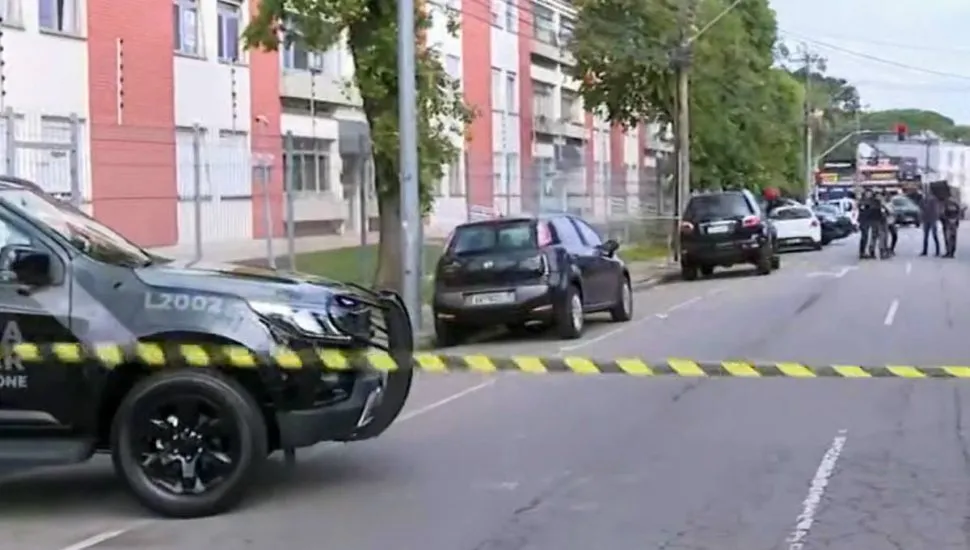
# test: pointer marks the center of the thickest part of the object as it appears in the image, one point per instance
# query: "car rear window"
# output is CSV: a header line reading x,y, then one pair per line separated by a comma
x,y
791,214
493,237
711,207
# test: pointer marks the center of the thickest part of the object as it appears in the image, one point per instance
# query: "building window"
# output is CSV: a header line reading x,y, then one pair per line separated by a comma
x,y
230,25
510,93
570,110
10,12
453,66
496,8
543,24
566,27
498,104
455,187
59,15
510,16
297,57
512,171
185,14
310,160
542,100
498,161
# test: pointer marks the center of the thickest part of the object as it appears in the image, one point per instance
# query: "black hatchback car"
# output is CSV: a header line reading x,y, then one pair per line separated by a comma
x,y
545,270
723,229
906,210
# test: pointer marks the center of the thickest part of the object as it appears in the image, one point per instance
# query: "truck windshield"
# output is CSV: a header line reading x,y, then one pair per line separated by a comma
x,y
84,232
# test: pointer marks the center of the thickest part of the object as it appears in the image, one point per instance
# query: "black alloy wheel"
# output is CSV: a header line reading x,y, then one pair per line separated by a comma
x,y
184,443
188,443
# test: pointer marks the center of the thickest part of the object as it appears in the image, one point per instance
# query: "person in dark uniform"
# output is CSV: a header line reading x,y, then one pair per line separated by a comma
x,y
892,230
871,217
951,223
929,207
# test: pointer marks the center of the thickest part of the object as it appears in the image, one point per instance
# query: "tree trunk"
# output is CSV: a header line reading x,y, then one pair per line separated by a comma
x,y
389,273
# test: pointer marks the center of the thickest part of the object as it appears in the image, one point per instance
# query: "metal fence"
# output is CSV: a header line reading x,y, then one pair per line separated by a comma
x,y
234,187
228,184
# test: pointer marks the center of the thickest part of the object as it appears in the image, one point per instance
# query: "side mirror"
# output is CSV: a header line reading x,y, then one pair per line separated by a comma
x,y
609,247
32,267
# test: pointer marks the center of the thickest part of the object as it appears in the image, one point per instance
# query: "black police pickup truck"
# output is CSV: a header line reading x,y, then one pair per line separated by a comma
x,y
187,442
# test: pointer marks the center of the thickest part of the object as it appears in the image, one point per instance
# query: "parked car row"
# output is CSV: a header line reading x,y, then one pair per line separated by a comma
x,y
550,271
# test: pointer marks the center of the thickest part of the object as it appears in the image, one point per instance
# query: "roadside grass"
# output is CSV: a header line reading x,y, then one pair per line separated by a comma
x,y
357,264
643,252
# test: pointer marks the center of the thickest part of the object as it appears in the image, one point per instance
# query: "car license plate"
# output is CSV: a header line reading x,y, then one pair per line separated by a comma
x,y
490,298
718,229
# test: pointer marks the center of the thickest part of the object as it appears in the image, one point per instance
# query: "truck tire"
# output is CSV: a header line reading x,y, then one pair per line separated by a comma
x,y
218,427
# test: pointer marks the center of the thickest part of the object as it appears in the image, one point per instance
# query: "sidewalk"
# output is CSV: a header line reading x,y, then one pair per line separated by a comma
x,y
255,249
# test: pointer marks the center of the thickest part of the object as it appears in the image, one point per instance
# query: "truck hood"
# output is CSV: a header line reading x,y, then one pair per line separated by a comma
x,y
251,283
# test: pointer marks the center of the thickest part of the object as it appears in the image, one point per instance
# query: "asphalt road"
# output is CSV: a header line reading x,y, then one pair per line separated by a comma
x,y
517,462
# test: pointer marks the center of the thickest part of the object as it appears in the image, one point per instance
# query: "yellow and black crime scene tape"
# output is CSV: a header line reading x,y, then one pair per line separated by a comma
x,y
160,355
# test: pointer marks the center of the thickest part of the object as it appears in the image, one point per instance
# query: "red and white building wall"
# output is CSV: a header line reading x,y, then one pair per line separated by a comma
x,y
139,88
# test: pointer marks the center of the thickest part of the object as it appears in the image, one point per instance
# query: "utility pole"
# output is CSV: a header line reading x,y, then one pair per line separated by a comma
x,y
410,205
680,61
810,63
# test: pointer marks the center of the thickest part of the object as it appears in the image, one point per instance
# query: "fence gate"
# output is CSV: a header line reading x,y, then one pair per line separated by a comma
x,y
50,158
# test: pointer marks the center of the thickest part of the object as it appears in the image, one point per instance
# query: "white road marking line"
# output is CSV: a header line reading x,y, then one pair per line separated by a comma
x,y
442,402
834,274
681,305
599,338
628,326
816,490
891,314
105,536
909,267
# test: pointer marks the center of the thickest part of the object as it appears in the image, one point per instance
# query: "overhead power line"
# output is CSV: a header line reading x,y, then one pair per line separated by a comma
x,y
884,43
874,58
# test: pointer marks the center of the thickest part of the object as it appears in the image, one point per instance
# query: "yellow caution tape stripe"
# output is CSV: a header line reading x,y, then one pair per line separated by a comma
x,y
161,355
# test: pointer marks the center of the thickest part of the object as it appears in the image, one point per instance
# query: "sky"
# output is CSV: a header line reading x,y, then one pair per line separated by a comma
x,y
898,53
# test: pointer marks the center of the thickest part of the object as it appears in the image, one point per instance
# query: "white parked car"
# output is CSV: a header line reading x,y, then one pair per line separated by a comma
x,y
797,227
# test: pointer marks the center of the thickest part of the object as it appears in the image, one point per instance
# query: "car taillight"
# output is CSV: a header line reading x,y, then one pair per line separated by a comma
x,y
686,227
543,235
751,221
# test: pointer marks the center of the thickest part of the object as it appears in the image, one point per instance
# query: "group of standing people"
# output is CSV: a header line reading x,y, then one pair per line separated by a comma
x,y
878,227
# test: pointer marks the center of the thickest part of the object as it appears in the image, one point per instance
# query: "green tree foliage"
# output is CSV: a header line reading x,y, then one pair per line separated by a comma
x,y
745,114
370,30
839,104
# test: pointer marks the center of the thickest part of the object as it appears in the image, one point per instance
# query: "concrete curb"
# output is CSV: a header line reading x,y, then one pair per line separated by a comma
x,y
652,281
424,340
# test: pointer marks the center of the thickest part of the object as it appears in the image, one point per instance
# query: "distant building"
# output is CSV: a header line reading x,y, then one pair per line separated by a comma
x,y
922,157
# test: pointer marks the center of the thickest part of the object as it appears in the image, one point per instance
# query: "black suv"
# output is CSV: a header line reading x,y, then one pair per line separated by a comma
x,y
186,441
723,229
527,270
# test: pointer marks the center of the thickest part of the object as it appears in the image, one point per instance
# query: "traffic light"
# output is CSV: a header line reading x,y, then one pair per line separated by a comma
x,y
902,132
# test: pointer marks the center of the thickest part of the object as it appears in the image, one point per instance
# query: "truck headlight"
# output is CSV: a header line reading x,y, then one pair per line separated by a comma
x,y
299,319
